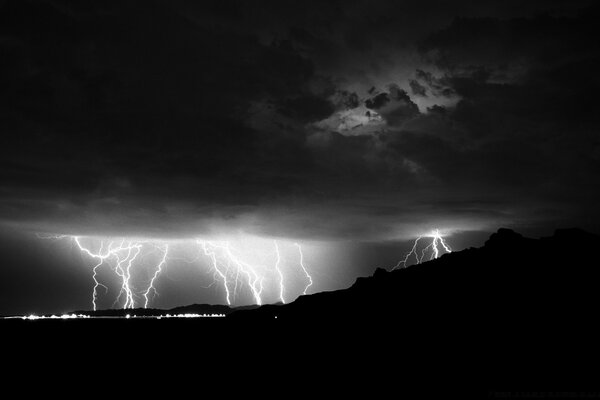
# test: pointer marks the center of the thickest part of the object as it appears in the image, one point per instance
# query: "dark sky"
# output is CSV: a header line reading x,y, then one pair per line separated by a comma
x,y
366,121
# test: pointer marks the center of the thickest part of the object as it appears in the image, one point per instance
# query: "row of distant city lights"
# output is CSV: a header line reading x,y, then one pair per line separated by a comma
x,y
33,317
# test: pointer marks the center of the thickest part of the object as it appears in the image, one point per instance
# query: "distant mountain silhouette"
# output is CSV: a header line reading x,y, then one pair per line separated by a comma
x,y
511,279
516,309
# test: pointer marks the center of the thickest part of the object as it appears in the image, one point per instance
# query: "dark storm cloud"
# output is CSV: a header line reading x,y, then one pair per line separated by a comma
x,y
526,119
378,101
307,108
417,88
395,107
173,116
438,86
144,96
345,100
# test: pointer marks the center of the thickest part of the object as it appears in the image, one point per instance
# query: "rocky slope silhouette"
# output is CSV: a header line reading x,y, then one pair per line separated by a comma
x,y
510,281
515,310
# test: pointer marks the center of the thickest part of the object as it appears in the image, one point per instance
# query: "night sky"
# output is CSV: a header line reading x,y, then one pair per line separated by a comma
x,y
352,125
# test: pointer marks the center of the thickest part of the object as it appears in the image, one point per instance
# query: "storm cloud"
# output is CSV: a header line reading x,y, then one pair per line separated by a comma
x,y
339,120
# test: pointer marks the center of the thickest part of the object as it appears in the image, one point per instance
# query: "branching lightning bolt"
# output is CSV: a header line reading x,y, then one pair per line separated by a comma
x,y
437,239
255,281
281,287
122,268
125,274
209,251
411,252
310,281
156,273
101,259
228,266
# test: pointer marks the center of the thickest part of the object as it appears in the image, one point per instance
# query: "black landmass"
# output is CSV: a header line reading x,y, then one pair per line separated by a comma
x,y
510,281
517,310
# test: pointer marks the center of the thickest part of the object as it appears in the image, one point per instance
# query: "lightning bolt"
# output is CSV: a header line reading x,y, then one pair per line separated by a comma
x,y
122,268
411,252
101,259
255,282
125,273
281,288
310,281
209,251
444,244
437,239
224,258
156,273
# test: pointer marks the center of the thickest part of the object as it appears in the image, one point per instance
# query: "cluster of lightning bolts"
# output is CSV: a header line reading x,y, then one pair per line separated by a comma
x,y
428,252
230,269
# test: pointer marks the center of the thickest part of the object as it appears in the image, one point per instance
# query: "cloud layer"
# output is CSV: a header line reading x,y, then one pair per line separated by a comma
x,y
369,120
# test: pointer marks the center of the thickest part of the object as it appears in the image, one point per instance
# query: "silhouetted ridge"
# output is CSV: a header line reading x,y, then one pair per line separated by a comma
x,y
511,278
504,237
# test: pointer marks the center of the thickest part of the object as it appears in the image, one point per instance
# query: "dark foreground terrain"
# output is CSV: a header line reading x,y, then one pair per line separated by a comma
x,y
511,287
516,309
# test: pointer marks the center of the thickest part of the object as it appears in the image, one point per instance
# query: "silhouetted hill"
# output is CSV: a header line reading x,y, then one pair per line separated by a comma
x,y
510,280
516,309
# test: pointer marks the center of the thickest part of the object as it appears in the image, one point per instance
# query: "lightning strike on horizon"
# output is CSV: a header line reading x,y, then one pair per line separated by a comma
x,y
411,252
95,269
281,288
211,254
125,274
232,267
437,239
156,273
255,281
310,281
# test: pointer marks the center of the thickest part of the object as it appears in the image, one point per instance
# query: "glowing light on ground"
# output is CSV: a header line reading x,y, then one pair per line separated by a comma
x,y
33,317
432,249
